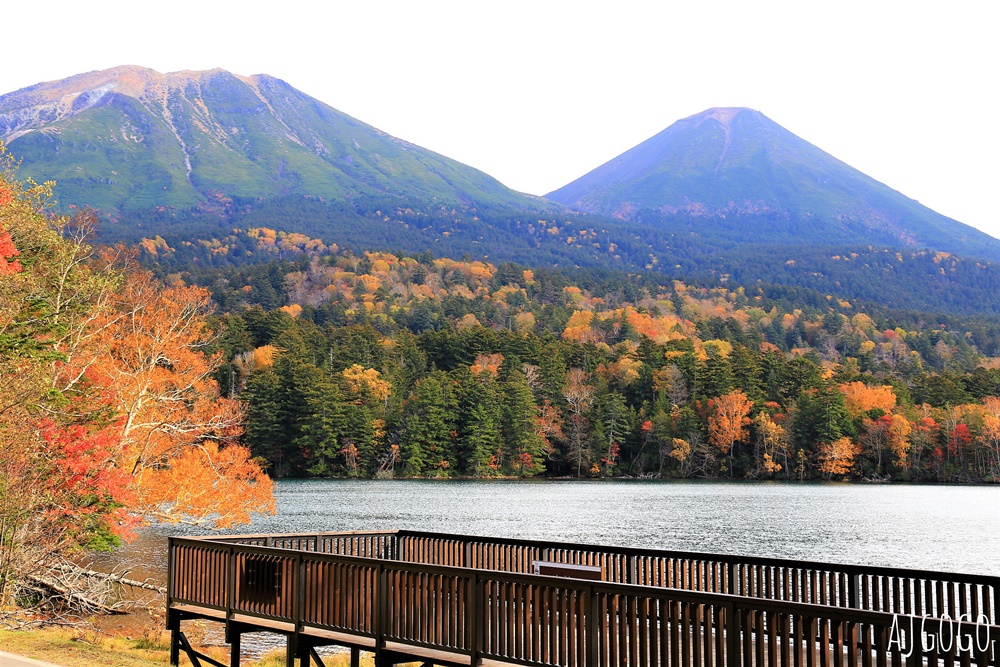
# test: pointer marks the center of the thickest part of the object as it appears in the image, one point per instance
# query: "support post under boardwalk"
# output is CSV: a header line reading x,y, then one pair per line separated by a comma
x,y
292,649
234,648
174,625
175,652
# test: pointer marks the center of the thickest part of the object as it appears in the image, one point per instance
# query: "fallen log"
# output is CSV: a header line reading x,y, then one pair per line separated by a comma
x,y
69,596
115,578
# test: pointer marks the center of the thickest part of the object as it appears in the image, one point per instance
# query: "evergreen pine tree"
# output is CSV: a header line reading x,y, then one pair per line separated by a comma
x,y
521,438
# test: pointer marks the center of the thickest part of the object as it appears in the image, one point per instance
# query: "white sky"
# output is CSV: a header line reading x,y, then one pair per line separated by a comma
x,y
538,93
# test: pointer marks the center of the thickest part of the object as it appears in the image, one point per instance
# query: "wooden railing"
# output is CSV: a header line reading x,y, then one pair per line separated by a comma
x,y
860,587
655,608
893,590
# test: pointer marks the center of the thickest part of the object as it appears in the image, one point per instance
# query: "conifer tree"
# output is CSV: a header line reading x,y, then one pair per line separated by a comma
x,y
428,443
520,428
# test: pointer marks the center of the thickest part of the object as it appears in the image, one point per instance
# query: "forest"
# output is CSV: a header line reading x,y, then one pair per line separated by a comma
x,y
744,249
377,365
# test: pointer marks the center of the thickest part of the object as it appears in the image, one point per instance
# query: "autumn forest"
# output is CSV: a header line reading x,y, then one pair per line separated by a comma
x,y
136,388
384,365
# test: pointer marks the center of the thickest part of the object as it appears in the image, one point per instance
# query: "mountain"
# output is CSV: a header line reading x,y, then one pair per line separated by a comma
x,y
181,162
131,138
735,174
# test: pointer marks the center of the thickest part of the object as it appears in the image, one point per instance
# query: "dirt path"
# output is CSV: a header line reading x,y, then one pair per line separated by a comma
x,y
11,660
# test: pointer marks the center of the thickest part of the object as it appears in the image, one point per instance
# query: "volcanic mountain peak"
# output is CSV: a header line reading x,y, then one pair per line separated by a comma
x,y
723,115
131,137
42,105
745,176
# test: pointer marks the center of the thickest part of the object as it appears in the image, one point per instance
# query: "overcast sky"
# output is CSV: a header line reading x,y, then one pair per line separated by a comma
x,y
538,93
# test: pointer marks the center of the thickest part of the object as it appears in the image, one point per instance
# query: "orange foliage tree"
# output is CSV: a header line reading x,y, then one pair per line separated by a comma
x,y
54,494
178,437
990,435
860,398
727,424
837,458
888,432
108,413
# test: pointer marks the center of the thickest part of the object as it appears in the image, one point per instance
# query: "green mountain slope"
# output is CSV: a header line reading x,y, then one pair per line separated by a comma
x,y
184,160
725,167
131,138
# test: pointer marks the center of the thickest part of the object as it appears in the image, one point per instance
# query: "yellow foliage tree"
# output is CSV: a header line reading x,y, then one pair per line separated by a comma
x,y
468,321
772,439
524,322
680,450
360,378
990,433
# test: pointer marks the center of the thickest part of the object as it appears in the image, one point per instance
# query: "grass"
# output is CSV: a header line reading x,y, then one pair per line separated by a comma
x,y
82,648
90,648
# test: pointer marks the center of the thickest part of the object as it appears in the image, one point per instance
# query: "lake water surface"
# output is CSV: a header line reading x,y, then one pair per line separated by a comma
x,y
947,528
952,528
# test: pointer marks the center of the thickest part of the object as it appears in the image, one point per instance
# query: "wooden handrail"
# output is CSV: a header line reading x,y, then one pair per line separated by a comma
x,y
857,586
531,619
705,556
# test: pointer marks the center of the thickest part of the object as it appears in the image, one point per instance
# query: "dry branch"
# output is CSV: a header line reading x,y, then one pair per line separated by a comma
x,y
111,578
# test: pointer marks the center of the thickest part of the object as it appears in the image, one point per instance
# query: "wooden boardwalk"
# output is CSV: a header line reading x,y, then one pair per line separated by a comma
x,y
441,599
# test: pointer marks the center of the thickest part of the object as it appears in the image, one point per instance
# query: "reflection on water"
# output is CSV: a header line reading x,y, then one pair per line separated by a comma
x,y
947,528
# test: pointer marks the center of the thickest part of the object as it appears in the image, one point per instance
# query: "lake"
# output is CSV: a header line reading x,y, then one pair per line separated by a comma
x,y
951,528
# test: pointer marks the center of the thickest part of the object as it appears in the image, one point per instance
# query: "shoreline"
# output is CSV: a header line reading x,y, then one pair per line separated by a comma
x,y
665,480
99,643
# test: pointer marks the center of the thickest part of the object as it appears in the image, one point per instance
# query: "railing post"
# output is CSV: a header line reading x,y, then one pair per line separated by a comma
x,y
854,593
300,591
232,633
732,636
233,637
170,570
474,622
593,628
292,649
381,607
231,583
731,583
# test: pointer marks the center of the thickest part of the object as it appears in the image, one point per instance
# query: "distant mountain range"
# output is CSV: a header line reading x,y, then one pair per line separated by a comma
x,y
131,138
741,175
725,195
